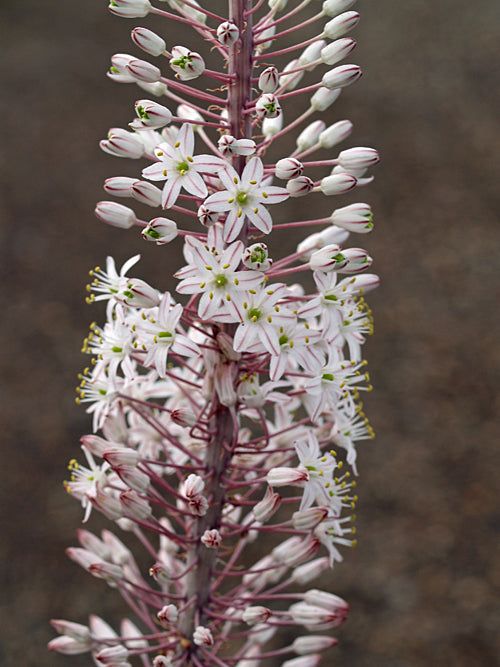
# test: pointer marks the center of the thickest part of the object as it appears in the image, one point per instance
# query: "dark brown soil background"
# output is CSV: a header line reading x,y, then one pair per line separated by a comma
x,y
421,581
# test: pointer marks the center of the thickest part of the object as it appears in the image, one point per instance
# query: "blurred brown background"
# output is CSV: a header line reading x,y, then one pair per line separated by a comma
x,y
421,582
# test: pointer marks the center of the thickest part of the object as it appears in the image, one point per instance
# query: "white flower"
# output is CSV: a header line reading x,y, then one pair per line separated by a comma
x,y
186,64
180,169
320,467
244,197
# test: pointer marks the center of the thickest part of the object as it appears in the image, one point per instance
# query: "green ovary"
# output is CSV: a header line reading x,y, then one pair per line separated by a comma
x,y
254,314
327,376
220,281
242,197
182,167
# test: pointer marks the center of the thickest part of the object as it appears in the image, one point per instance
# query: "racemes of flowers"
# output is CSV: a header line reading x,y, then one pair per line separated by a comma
x,y
226,415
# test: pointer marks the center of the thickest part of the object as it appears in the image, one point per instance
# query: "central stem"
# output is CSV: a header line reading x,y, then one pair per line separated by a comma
x,y
219,450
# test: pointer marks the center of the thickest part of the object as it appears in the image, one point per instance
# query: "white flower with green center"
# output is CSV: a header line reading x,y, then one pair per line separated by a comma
x,y
245,197
159,334
319,466
216,277
180,168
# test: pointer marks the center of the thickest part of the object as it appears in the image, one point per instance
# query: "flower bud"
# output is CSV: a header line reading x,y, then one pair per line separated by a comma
x,y
118,70
335,133
141,70
288,167
121,143
254,615
206,217
135,507
151,114
186,112
265,509
269,80
160,230
293,553
320,643
202,636
340,25
309,518
291,81
211,539
256,257
228,145
337,50
341,76
358,158
146,193
119,186
324,98
132,9
186,64
334,7
332,234
225,343
285,476
357,260
148,41
193,486
355,218
329,258
310,571
337,184
120,456
69,646
267,106
188,10
227,33
310,135
306,661
75,630
115,214
272,126
277,5
314,617
311,54
359,284
326,600
267,34
113,655
168,614
299,187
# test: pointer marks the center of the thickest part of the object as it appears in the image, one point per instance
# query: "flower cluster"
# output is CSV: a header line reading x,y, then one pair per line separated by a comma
x,y
226,415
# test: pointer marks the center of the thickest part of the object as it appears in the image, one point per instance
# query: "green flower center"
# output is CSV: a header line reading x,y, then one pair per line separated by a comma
x,y
164,334
142,113
182,62
152,233
254,314
283,339
182,168
327,376
221,280
258,255
242,197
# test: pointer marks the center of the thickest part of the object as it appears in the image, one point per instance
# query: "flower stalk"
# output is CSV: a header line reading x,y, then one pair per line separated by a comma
x,y
215,413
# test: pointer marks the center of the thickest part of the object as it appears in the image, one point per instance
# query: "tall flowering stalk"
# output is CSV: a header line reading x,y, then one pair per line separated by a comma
x,y
218,409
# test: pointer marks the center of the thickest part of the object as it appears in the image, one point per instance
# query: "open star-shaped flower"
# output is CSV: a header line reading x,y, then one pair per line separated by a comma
x,y
243,197
180,168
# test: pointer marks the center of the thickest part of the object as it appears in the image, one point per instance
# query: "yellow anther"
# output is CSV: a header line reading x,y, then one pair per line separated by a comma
x,y
240,213
177,144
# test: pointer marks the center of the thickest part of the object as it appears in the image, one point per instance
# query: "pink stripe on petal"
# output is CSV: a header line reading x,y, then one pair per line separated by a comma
x,y
170,192
262,219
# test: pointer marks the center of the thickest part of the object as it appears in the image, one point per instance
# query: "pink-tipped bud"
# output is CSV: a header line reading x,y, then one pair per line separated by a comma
x,y
269,80
310,571
286,476
324,98
211,539
309,518
359,284
135,507
358,158
113,656
69,646
299,187
228,146
327,601
207,217
310,135
256,257
168,614
186,64
265,509
118,70
183,417
122,456
314,617
203,637
121,143
305,661
313,643
355,218
141,70
146,193
254,615
311,54
119,186
267,106
341,76
287,168
334,7
295,551
357,260
148,41
193,486
138,294
329,258
115,214
337,50
160,230
130,9
75,630
340,25
335,133
227,33
151,114
291,81
337,184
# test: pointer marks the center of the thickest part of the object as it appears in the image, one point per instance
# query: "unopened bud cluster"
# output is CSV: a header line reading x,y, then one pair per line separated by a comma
x,y
227,414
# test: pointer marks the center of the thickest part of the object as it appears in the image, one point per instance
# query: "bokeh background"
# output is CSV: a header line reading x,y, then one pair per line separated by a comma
x,y
421,581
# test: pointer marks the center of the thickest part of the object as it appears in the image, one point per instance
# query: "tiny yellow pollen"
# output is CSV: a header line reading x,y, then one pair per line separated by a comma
x,y
226,266
164,172
269,319
208,268
235,180
240,213
189,159
159,153
253,182
228,297
177,144
230,201
211,295
340,464
202,285
236,281
265,195
256,210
